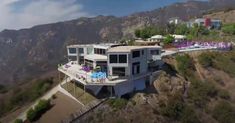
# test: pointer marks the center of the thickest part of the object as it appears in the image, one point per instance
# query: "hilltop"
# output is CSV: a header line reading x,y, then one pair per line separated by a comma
x,y
27,55
30,53
192,88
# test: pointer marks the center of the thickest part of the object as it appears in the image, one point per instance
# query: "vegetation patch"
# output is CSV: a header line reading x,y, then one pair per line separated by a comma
x,y
18,121
39,109
177,109
23,96
224,112
201,92
117,103
225,61
185,65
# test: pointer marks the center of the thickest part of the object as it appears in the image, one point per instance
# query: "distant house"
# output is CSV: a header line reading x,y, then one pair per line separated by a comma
x,y
175,20
156,38
179,38
206,22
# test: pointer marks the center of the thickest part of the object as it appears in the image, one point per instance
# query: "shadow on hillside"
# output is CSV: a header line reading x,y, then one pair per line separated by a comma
x,y
169,69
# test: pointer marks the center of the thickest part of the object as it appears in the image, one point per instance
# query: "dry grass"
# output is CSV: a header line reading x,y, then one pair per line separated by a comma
x,y
63,107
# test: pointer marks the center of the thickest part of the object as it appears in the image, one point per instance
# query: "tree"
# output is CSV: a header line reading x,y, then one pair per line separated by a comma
x,y
138,33
170,28
147,32
169,39
181,29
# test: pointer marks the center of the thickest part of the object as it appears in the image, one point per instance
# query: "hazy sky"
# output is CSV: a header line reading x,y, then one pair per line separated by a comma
x,y
16,14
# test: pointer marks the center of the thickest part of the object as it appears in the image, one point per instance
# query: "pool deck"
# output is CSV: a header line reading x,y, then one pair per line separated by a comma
x,y
74,71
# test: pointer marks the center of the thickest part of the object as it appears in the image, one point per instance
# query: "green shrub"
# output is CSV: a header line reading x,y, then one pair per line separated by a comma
x,y
205,59
185,65
117,103
40,108
31,115
224,94
201,92
174,107
229,29
224,112
169,39
18,121
189,115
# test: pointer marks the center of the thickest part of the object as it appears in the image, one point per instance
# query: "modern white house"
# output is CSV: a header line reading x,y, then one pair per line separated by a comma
x,y
122,69
206,22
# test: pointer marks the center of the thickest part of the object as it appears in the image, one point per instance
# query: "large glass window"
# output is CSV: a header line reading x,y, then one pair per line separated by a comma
x,y
154,52
118,71
135,54
72,50
99,51
113,59
81,59
81,50
122,59
135,68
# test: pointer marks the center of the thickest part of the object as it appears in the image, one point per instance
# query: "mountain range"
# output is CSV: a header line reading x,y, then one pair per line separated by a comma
x,y
29,53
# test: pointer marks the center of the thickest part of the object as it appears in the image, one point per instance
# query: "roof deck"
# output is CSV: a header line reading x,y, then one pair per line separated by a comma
x,y
129,48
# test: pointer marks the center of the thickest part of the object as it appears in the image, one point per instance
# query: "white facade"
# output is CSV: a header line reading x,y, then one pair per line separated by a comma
x,y
124,65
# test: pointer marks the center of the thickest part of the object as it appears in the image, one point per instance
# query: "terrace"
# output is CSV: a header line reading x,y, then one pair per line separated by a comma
x,y
86,76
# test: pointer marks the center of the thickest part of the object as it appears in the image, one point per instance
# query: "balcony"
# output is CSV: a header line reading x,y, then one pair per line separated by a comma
x,y
88,77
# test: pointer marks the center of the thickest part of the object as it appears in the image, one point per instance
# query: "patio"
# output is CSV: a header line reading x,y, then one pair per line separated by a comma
x,y
86,76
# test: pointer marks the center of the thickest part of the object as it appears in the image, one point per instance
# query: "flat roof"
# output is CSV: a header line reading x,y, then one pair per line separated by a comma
x,y
129,48
96,57
79,45
101,45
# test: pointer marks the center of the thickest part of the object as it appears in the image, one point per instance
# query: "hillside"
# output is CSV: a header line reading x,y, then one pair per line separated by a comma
x,y
202,92
227,16
29,53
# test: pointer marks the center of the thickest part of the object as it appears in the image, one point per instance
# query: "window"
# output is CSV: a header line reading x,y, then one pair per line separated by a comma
x,y
81,50
99,51
142,52
113,59
122,59
119,71
135,54
154,52
72,58
72,50
81,59
135,68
